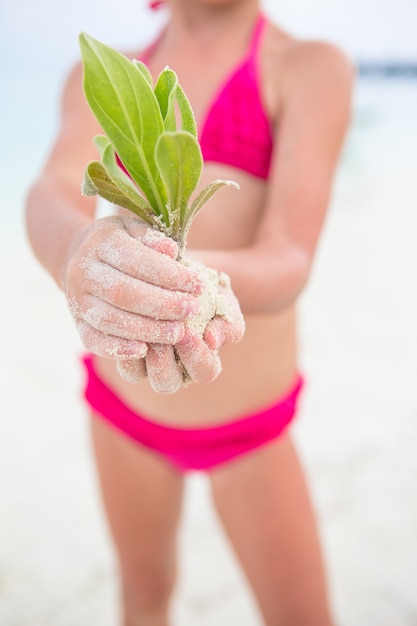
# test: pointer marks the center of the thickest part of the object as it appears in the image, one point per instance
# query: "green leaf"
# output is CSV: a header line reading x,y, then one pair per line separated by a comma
x,y
163,165
124,104
187,114
121,179
165,90
142,68
101,142
202,198
98,182
180,162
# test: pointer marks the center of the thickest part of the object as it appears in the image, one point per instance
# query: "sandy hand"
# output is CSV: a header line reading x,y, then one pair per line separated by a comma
x,y
125,290
194,357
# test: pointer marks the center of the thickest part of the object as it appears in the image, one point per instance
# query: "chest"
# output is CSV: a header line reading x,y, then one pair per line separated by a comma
x,y
230,218
218,92
203,79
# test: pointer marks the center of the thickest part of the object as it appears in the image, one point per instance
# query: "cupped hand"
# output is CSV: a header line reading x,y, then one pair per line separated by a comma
x,y
227,329
194,358
125,290
199,354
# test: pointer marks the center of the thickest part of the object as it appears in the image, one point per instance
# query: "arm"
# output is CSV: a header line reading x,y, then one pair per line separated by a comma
x,y
313,117
55,210
124,289
116,301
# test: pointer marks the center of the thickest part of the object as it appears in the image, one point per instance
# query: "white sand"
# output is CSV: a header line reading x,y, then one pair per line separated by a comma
x,y
357,430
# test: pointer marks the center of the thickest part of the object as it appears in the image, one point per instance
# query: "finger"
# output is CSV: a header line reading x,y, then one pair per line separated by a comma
x,y
200,362
152,238
137,296
111,320
158,242
164,371
141,261
108,346
227,328
132,370
220,332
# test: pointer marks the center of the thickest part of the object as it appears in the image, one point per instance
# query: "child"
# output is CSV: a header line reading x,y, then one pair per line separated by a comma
x,y
272,112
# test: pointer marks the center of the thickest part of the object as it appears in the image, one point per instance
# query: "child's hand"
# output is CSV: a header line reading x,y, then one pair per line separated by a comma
x,y
197,354
123,293
223,331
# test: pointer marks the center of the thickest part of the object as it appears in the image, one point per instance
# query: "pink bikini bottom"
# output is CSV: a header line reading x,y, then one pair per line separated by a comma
x,y
192,448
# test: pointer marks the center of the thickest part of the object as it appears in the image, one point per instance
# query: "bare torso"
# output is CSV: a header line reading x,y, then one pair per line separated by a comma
x,y
255,372
262,367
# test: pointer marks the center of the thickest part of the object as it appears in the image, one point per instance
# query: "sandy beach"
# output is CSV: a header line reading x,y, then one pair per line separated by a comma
x,y
357,428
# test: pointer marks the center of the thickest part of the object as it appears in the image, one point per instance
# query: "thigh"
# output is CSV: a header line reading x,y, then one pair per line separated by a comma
x,y
264,505
142,495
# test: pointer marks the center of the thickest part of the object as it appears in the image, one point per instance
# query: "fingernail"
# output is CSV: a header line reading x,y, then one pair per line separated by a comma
x,y
198,285
176,332
191,308
135,351
184,341
218,339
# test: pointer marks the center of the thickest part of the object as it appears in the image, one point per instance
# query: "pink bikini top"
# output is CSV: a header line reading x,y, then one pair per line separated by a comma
x,y
236,130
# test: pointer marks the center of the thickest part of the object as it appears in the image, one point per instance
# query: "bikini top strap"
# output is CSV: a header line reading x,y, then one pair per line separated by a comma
x,y
257,34
147,52
153,5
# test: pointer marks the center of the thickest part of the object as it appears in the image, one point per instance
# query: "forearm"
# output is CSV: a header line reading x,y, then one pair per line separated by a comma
x,y
265,280
55,215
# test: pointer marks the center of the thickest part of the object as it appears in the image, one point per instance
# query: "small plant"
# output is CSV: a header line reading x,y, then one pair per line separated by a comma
x,y
147,164
162,163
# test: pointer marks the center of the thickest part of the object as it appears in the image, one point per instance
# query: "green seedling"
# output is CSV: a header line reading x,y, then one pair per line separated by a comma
x,y
150,159
162,163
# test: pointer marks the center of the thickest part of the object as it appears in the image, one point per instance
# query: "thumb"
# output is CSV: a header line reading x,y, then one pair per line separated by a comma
x,y
160,243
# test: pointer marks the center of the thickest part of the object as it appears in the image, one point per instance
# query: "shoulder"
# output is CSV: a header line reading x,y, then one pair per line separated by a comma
x,y
313,69
308,61
318,82
77,123
303,54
